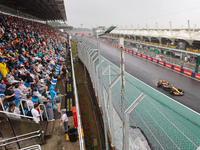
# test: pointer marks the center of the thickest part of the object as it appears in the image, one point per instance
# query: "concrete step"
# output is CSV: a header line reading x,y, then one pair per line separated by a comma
x,y
49,129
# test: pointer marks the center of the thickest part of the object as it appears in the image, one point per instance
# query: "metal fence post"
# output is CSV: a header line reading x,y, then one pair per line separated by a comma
x,y
111,108
126,117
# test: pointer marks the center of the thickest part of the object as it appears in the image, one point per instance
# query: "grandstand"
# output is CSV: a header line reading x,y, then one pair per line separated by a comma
x,y
34,59
163,37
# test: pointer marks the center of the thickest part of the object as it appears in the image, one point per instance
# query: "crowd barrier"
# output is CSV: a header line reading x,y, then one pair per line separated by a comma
x,y
162,63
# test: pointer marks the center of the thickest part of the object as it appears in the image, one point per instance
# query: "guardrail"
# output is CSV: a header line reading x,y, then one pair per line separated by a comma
x,y
19,136
158,116
45,111
81,141
17,115
32,147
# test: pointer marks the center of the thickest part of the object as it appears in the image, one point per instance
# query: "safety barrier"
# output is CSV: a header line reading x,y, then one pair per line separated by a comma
x,y
17,115
158,116
78,115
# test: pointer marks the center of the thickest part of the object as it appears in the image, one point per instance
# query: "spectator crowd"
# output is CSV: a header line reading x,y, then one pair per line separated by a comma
x,y
29,54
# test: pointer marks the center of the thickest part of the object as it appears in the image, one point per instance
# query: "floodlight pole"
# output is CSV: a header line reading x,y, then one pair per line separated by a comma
x,y
122,67
101,91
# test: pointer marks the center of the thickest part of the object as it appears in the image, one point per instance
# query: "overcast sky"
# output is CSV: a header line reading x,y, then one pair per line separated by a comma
x,y
128,13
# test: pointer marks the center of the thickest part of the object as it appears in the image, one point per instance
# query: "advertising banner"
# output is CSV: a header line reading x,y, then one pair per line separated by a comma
x,y
139,54
161,62
155,60
134,53
130,51
144,56
168,65
187,72
197,76
177,68
149,58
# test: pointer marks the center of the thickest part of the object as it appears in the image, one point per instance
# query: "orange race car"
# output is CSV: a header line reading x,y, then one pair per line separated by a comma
x,y
167,86
164,84
176,91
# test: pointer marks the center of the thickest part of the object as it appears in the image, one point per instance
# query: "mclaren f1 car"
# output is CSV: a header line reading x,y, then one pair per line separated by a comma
x,y
167,86
164,84
176,91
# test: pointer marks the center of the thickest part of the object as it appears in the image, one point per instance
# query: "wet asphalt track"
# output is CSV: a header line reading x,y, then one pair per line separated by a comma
x,y
150,73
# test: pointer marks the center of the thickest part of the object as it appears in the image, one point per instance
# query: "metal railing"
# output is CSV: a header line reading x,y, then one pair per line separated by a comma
x,y
22,107
164,127
81,141
45,110
32,147
17,115
20,136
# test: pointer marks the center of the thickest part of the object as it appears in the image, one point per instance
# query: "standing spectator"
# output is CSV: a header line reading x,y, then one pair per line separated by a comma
x,y
35,113
49,109
58,100
64,119
64,71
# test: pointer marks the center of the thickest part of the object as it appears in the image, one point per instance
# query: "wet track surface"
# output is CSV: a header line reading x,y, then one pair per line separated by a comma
x,y
150,73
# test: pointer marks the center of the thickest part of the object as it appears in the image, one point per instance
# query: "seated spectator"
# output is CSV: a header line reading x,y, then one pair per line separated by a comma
x,y
18,93
29,101
13,109
49,109
3,67
38,95
2,86
25,89
41,86
9,93
22,73
29,79
35,113
55,76
11,79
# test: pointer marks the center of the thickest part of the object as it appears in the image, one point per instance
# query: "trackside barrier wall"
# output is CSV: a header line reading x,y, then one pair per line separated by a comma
x,y
166,123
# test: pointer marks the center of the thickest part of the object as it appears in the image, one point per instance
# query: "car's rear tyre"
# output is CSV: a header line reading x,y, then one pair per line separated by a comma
x,y
158,85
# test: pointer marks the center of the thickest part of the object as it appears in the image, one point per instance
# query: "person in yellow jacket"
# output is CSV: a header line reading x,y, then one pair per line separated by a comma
x,y
3,68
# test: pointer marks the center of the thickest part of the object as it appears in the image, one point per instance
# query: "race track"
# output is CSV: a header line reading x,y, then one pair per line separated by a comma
x,y
150,73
